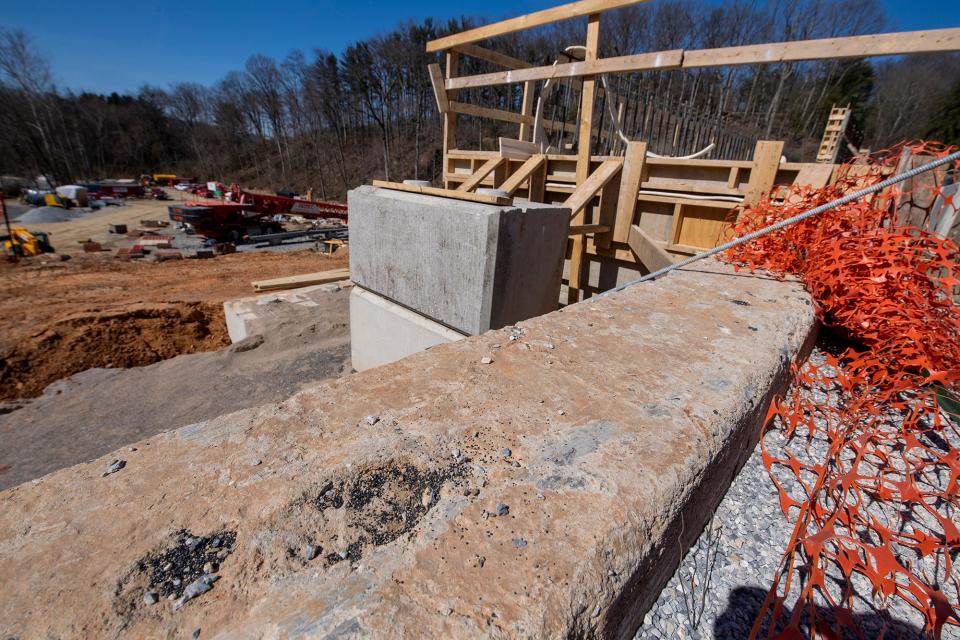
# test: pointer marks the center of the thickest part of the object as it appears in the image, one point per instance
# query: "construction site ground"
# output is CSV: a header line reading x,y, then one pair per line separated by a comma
x,y
111,318
67,237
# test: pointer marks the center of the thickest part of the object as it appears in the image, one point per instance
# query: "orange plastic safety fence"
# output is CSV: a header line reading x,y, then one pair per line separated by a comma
x,y
863,455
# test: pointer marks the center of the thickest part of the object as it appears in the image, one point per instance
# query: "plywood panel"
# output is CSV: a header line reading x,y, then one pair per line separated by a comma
x,y
702,226
656,219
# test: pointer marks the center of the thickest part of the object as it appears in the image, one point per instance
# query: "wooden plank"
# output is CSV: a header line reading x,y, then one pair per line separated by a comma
x,y
450,118
526,109
443,193
521,175
537,185
647,251
717,204
816,175
636,62
439,91
734,178
766,163
469,109
489,55
485,169
884,44
582,229
528,21
630,181
583,194
517,149
587,94
677,223
302,280
880,44
609,198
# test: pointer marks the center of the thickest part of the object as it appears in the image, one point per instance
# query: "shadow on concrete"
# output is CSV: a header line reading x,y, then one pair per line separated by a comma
x,y
745,602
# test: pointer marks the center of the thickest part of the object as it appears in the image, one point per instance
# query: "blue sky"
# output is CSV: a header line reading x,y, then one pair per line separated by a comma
x,y
114,45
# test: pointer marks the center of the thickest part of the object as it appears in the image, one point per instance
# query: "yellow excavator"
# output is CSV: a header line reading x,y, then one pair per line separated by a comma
x,y
21,243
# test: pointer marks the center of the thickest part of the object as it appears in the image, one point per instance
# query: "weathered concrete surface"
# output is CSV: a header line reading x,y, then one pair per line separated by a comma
x,y
382,331
622,415
254,315
470,266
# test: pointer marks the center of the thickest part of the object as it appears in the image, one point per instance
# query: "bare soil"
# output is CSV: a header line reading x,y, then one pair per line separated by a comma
x,y
97,311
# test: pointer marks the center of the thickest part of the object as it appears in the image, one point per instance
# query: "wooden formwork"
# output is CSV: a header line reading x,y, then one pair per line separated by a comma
x,y
633,211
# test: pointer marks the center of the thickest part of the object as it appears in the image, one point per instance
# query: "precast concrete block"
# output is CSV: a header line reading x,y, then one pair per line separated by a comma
x,y
470,266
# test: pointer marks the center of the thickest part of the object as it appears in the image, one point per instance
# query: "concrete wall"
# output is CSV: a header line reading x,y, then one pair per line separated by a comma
x,y
382,331
624,417
472,267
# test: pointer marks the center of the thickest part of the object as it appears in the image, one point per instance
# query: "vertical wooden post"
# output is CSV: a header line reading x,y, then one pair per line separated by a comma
x,y
500,173
763,173
450,118
537,186
630,180
526,128
583,157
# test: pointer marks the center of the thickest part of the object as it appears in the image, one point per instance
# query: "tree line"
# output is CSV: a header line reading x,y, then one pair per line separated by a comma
x,y
330,121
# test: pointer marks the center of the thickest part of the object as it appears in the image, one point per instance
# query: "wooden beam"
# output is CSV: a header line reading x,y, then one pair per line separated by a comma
x,y
583,194
489,55
587,95
609,198
450,118
517,149
879,44
439,91
763,173
537,185
647,251
302,280
523,174
526,131
883,44
582,229
637,62
443,193
630,180
485,169
486,112
528,21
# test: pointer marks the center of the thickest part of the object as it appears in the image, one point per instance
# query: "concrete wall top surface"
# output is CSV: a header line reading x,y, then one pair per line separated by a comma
x,y
467,265
528,482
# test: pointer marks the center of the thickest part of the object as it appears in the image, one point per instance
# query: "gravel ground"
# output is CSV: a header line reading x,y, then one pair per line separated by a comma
x,y
743,545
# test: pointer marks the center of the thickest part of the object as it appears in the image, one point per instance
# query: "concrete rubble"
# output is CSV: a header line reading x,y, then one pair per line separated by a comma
x,y
579,449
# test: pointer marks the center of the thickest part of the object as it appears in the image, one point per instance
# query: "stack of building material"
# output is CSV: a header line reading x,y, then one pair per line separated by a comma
x,y
431,270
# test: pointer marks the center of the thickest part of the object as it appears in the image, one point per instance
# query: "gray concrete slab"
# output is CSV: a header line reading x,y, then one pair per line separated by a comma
x,y
470,266
382,331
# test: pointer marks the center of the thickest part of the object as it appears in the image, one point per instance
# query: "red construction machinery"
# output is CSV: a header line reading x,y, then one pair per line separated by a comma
x,y
241,213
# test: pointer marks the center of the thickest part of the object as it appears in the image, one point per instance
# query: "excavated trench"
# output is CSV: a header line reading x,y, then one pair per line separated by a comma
x,y
128,336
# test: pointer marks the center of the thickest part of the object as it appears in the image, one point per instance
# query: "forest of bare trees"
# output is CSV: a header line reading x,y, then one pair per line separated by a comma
x,y
331,120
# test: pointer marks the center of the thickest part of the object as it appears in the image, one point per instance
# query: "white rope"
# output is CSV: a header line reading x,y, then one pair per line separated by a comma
x,y
789,221
540,133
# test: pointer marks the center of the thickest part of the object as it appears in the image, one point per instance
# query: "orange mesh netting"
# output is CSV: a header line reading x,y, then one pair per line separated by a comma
x,y
863,449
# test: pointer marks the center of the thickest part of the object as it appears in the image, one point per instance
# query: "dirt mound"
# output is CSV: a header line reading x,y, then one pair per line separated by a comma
x,y
129,336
